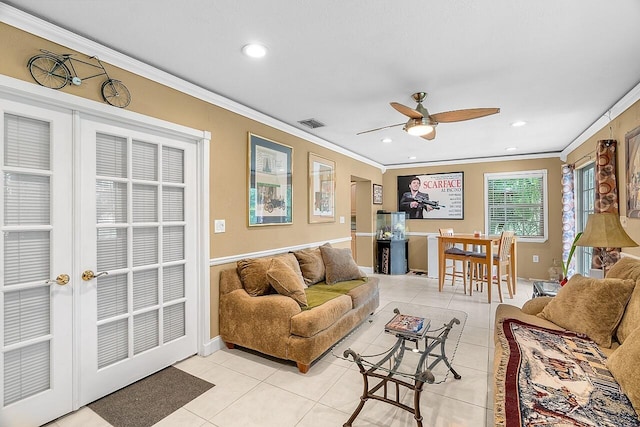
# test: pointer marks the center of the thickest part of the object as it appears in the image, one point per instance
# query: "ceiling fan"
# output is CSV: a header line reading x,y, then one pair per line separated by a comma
x,y
423,124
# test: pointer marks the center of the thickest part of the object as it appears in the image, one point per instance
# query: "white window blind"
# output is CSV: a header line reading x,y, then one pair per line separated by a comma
x,y
113,340
26,200
26,142
26,371
145,161
145,246
172,165
145,209
518,202
173,282
26,314
145,331
111,202
145,289
112,294
111,155
173,322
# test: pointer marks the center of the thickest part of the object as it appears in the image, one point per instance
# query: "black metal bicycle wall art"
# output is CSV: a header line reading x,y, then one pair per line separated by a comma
x,y
55,71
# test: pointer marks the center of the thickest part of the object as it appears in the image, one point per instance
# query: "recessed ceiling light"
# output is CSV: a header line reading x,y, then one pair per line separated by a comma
x,y
518,123
412,157
254,50
511,148
386,140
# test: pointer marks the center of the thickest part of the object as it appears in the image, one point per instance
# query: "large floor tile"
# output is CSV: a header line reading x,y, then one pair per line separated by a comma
x,y
264,406
229,387
312,385
255,390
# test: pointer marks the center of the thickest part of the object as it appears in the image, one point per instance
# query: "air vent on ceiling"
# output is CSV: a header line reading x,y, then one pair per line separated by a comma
x,y
311,123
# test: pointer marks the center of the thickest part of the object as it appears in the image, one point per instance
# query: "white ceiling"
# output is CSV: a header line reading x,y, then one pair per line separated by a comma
x,y
558,65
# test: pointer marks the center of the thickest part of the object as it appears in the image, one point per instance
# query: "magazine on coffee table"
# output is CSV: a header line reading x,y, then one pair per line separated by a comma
x,y
407,326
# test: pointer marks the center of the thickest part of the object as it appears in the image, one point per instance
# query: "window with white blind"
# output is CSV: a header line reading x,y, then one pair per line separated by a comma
x,y
140,242
517,201
586,198
25,266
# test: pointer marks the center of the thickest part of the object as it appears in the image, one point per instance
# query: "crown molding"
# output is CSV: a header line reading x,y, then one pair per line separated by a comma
x,y
475,160
49,31
618,108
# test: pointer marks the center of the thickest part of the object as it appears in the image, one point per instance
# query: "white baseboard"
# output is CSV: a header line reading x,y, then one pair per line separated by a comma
x,y
212,346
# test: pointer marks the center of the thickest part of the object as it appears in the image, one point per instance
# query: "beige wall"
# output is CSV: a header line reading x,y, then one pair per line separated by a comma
x,y
228,161
474,211
584,154
228,176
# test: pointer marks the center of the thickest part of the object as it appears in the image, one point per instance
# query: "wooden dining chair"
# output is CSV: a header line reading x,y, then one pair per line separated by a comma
x,y
455,255
500,260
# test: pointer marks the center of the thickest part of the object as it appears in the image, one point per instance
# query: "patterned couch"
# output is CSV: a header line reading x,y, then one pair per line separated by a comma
x,y
573,359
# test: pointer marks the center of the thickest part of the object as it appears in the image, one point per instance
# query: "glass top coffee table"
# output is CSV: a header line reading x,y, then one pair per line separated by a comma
x,y
416,353
542,288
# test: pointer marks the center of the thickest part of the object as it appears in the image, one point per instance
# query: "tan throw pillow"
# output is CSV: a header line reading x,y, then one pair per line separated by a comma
x,y
628,268
631,317
590,306
253,272
311,265
339,265
286,281
623,364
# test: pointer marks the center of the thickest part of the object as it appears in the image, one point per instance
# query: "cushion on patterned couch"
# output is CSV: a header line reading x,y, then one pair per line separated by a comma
x,y
590,306
624,366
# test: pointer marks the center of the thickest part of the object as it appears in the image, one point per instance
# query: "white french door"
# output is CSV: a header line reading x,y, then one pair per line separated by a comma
x,y
99,257
35,244
138,294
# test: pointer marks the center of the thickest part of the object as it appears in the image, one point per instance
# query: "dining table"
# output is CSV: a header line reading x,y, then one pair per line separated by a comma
x,y
471,240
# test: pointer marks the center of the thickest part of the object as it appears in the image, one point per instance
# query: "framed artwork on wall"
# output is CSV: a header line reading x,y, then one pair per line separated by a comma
x,y
322,189
432,196
377,194
632,143
270,182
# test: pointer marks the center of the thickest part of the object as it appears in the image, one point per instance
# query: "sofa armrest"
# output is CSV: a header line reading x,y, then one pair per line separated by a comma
x,y
261,323
229,281
536,305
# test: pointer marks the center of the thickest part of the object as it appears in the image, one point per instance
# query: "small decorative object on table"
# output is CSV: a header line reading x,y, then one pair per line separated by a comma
x,y
410,327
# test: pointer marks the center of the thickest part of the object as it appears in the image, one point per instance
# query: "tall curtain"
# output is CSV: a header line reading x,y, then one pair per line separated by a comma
x,y
606,195
568,215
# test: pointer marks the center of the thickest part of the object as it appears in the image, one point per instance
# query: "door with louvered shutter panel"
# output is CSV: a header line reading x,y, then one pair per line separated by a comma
x,y
36,239
139,244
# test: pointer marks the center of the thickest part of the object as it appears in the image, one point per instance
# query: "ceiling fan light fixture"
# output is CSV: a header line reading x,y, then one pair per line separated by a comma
x,y
418,127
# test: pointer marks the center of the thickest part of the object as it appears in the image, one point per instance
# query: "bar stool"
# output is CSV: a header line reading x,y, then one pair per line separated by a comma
x,y
502,259
455,255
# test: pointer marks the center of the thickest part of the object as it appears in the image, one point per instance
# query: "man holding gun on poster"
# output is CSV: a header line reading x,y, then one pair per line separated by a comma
x,y
414,202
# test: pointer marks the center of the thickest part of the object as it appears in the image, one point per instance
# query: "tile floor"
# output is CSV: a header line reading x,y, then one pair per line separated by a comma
x,y
252,390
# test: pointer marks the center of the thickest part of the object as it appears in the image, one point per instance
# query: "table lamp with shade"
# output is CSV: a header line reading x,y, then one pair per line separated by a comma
x,y
604,230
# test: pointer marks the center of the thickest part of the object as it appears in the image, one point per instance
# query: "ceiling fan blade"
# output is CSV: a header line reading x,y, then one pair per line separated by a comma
x,y
383,127
462,115
409,112
431,135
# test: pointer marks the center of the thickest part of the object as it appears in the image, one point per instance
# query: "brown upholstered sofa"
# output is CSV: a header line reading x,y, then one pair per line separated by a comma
x,y
606,311
295,306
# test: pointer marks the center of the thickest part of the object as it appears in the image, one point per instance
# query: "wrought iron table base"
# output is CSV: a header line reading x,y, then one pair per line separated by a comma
x,y
422,376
